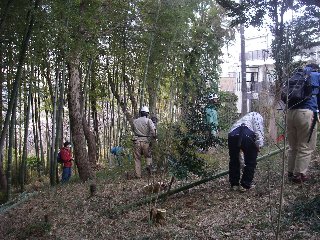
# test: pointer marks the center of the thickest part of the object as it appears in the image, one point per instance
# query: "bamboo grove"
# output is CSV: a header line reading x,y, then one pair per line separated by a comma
x,y
81,70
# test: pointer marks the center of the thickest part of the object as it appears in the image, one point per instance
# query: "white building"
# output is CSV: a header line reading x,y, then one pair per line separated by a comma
x,y
259,65
258,61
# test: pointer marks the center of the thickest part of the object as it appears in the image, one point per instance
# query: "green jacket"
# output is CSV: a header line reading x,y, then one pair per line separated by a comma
x,y
212,118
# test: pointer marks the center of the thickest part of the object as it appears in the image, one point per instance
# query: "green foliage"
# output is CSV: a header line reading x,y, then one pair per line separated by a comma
x,y
32,163
227,110
188,138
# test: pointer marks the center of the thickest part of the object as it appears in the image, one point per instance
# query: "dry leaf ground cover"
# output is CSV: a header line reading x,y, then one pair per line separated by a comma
x,y
208,211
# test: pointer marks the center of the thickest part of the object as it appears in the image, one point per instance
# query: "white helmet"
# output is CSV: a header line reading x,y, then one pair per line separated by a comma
x,y
213,96
144,109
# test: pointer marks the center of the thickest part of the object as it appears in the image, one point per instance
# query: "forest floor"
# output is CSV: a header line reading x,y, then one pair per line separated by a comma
x,y
207,211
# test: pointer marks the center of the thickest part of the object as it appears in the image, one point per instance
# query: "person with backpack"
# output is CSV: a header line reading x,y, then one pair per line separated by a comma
x,y
144,133
246,135
302,118
66,158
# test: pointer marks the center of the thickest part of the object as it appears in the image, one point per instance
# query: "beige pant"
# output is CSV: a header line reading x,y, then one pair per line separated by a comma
x,y
141,148
298,130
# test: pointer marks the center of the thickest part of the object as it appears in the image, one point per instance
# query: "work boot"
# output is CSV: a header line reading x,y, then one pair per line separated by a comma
x,y
246,189
299,178
242,189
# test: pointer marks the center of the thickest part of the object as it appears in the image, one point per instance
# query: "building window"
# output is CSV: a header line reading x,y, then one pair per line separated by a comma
x,y
255,55
260,56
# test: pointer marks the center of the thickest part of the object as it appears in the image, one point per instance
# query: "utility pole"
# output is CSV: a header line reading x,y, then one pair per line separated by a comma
x,y
244,108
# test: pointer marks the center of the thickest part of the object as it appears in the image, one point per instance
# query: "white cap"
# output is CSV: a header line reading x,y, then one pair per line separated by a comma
x,y
213,96
145,109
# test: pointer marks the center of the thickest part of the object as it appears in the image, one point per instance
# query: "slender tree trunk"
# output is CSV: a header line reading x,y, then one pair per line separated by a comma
x,y
47,170
81,154
104,135
53,156
10,151
244,108
38,114
59,118
35,134
94,112
23,166
1,83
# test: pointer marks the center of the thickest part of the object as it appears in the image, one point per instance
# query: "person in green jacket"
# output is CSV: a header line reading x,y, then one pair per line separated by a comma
x,y
212,114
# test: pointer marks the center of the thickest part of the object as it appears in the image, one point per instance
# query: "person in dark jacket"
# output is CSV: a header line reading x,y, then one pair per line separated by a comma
x,y
66,157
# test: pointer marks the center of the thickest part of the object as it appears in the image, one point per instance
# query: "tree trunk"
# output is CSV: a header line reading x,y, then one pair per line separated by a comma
x,y
53,154
2,79
38,114
25,141
244,108
91,140
10,152
35,133
94,112
80,152
59,116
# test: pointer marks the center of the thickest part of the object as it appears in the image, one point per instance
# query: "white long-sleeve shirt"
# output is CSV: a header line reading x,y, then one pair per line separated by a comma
x,y
254,122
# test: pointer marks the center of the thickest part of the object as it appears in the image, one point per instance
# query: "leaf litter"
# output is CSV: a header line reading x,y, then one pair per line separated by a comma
x,y
207,211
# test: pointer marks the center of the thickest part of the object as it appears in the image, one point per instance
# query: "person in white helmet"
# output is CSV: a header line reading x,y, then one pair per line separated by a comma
x,y
144,132
212,114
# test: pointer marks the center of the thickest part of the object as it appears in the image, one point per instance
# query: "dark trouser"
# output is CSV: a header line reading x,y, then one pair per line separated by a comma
x,y
66,174
250,152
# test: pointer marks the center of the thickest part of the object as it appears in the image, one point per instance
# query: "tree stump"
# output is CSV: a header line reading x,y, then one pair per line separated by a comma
x,y
158,215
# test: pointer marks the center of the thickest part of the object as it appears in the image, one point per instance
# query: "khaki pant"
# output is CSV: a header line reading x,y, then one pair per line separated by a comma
x,y
141,148
299,123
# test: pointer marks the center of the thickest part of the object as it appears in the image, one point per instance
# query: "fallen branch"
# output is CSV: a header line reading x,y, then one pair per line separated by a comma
x,y
120,209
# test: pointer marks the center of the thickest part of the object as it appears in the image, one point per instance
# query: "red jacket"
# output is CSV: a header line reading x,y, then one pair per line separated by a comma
x,y
66,157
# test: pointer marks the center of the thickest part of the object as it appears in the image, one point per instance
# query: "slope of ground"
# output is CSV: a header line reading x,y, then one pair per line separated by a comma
x,y
208,211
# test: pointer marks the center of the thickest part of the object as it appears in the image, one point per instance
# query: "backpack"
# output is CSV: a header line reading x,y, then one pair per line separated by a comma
x,y
298,88
59,159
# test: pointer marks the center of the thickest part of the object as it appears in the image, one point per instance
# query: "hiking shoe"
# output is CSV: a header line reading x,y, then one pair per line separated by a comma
x,y
300,178
242,189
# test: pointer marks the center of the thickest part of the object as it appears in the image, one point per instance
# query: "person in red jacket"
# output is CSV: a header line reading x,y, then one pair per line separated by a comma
x,y
66,157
